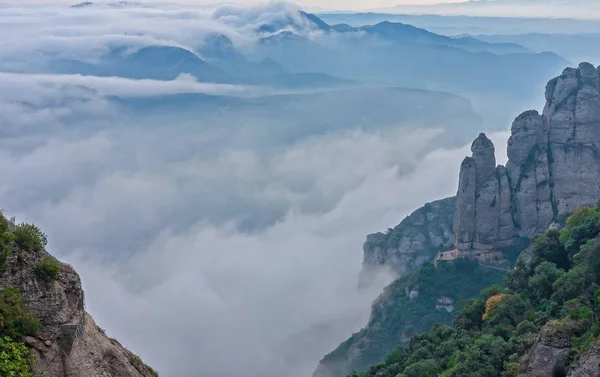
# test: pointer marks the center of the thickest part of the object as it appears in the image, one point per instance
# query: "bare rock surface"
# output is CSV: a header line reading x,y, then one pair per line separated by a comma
x,y
69,343
553,168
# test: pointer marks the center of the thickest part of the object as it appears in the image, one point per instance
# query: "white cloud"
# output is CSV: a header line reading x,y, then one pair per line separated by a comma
x,y
202,295
199,251
118,86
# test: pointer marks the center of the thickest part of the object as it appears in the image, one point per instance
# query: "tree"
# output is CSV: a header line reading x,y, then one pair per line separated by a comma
x,y
543,280
548,247
582,226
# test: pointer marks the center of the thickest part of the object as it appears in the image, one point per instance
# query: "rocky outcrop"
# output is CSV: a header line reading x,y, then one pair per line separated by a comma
x,y
414,241
553,168
483,217
550,355
588,364
69,344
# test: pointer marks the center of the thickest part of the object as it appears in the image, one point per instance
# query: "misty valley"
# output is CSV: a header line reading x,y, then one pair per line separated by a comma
x,y
272,189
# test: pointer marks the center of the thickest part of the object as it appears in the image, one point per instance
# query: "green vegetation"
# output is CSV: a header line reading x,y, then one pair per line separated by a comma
x,y
6,241
49,269
25,237
396,317
29,237
557,288
15,360
15,319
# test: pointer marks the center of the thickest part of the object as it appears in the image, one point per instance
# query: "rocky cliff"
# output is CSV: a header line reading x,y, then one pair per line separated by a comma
x,y
68,342
553,168
416,240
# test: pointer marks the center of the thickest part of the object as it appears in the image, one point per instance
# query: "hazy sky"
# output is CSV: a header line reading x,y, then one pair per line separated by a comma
x,y
323,4
579,9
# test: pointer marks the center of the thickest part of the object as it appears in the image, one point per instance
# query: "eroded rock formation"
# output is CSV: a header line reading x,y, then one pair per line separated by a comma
x,y
553,168
69,344
414,241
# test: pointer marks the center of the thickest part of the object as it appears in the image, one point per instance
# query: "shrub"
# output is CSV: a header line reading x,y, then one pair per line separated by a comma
x,y
6,239
30,238
16,320
49,269
582,226
543,279
491,304
15,360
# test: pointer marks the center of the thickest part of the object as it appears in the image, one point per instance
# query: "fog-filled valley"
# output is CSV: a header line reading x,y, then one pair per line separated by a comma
x,y
212,172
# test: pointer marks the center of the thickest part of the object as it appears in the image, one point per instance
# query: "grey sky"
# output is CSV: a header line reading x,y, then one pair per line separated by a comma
x,y
583,9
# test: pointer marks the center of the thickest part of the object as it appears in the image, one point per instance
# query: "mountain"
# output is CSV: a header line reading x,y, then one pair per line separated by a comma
x,y
42,311
395,54
457,25
151,62
300,22
224,64
399,32
584,9
543,323
574,47
552,170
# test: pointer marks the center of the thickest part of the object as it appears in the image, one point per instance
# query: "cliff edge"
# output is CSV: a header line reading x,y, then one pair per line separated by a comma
x,y
553,168
65,341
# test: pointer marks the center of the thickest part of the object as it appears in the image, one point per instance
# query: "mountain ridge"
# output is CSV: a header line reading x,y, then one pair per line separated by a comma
x,y
552,170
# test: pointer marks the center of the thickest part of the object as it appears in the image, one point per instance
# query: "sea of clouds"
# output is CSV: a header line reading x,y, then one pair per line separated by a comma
x,y
202,254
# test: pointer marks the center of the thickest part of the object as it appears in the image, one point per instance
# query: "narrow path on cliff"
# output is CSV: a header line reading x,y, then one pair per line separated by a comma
x,y
494,267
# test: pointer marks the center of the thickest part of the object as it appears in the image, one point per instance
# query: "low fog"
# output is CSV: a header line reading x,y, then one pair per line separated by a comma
x,y
221,243
153,226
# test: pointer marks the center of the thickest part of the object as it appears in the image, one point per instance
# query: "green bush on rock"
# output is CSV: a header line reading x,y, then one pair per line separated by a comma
x,y
16,320
30,238
15,360
49,269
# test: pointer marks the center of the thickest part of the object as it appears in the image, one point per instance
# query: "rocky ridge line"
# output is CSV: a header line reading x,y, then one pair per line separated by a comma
x,y
553,168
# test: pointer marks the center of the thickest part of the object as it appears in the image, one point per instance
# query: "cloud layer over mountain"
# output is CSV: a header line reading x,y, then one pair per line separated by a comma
x,y
149,220
211,222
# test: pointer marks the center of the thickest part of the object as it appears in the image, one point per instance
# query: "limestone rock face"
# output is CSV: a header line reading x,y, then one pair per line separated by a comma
x,y
464,217
484,156
573,118
483,217
69,344
550,355
588,364
553,168
529,174
413,242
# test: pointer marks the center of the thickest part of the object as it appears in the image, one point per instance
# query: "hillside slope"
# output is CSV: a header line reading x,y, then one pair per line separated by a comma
x,y
42,306
545,323
553,169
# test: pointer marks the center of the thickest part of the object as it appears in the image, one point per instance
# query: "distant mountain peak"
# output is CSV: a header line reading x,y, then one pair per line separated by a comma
x,y
299,23
82,4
